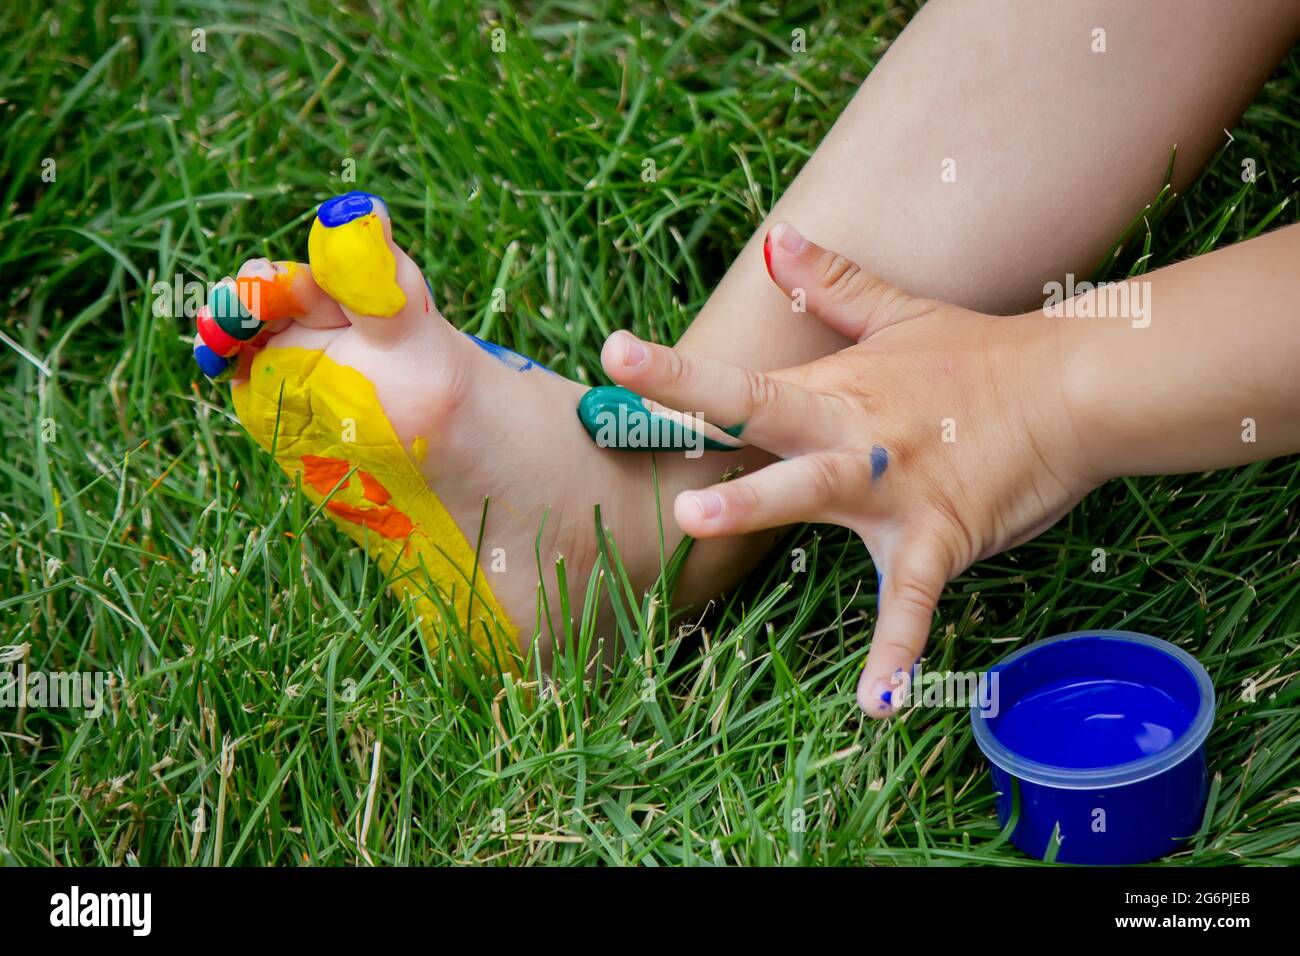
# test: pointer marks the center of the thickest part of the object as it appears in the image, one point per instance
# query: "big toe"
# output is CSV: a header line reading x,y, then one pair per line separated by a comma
x,y
354,258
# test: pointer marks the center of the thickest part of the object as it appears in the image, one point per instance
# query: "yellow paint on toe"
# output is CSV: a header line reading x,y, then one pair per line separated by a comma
x,y
379,499
353,263
419,449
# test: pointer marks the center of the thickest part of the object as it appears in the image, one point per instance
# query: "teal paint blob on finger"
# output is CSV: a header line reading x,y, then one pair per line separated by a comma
x,y
616,417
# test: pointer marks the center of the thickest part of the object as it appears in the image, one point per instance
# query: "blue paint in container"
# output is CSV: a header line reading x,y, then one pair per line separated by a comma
x,y
1102,734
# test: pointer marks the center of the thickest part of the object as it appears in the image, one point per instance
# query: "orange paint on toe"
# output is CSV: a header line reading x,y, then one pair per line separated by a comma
x,y
270,299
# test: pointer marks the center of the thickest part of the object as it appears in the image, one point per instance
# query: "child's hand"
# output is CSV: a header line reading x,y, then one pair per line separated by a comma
x,y
942,438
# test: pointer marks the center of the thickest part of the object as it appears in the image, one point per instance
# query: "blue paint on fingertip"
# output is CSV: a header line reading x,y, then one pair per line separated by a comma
x,y
879,462
887,697
343,209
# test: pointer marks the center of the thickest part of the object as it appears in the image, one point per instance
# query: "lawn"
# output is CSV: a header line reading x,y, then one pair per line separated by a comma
x,y
273,705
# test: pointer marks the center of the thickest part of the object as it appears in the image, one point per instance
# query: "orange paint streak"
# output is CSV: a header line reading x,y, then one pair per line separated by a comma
x,y
373,490
386,520
323,473
269,299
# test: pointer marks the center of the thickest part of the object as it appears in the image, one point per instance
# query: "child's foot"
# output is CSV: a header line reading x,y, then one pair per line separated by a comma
x,y
403,425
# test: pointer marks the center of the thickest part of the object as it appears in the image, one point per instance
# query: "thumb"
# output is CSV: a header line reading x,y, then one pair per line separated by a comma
x,y
833,288
909,594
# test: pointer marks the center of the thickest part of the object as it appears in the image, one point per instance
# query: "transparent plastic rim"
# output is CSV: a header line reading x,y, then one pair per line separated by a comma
x,y
1119,775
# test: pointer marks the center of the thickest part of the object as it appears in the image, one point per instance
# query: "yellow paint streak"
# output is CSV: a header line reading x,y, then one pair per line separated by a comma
x,y
319,395
355,265
419,449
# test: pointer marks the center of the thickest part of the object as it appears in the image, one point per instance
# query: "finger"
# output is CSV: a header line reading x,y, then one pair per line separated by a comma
x,y
758,408
807,488
909,594
835,289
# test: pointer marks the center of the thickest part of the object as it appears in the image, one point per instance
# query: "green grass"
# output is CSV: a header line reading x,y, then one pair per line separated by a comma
x,y
275,706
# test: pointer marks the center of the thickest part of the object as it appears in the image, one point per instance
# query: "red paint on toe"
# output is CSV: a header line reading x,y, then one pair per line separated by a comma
x,y
214,336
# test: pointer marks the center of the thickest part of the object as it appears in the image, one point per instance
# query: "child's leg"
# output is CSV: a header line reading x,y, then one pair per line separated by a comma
x,y
992,150
997,146
1046,175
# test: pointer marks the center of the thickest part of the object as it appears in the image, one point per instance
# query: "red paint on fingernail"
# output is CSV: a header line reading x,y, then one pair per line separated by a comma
x,y
767,254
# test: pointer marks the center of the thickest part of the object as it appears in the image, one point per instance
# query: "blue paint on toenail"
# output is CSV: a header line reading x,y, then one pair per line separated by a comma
x,y
343,209
210,363
879,462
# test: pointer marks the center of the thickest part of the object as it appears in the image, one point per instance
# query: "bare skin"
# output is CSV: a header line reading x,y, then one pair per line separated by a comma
x,y
991,428
1007,92
1057,148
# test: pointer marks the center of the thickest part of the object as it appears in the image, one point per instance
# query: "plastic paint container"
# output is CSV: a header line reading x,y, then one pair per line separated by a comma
x,y
1102,734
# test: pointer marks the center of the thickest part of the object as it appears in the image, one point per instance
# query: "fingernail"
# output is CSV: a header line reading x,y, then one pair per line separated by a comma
x,y
787,236
883,691
709,503
256,267
767,254
634,353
